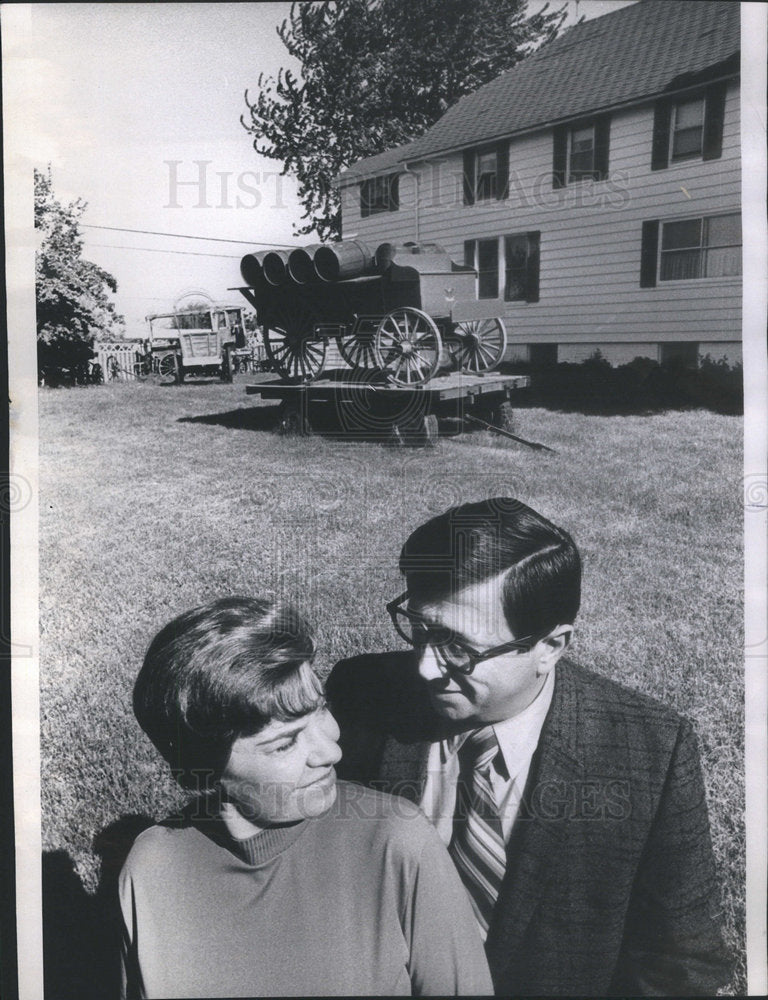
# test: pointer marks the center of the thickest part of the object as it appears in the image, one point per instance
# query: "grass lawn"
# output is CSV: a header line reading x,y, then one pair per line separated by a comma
x,y
156,498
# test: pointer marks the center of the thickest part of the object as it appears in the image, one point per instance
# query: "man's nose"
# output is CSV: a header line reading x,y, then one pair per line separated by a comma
x,y
325,750
430,667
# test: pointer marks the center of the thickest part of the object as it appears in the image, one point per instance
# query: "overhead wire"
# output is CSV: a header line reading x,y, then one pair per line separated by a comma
x,y
187,236
183,253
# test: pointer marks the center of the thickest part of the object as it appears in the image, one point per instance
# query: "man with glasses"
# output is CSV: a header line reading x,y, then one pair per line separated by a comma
x,y
573,807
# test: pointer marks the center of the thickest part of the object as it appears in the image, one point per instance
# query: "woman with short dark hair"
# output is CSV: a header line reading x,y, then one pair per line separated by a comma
x,y
277,880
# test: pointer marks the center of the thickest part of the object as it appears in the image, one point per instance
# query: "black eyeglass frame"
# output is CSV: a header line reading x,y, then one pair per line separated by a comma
x,y
475,655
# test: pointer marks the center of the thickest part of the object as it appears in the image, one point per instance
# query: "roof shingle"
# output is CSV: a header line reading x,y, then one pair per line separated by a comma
x,y
633,53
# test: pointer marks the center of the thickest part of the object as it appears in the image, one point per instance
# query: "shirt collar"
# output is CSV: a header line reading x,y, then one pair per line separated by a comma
x,y
518,737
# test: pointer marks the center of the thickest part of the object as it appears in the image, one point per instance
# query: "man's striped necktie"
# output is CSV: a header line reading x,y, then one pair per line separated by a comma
x,y
477,845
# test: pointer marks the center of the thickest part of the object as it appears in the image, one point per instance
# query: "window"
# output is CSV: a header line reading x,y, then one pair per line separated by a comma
x,y
485,188
708,247
521,262
689,128
380,194
486,173
513,259
701,248
687,131
542,355
682,353
580,151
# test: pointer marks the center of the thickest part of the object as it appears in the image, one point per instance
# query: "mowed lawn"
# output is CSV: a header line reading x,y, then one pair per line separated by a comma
x,y
155,498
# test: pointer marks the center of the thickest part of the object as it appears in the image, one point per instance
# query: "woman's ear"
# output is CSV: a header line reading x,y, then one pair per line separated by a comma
x,y
552,647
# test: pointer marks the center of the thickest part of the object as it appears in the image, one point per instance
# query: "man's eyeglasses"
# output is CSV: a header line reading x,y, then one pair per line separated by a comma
x,y
455,653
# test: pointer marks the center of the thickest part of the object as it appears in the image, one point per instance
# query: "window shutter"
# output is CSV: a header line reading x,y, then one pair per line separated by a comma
x,y
714,114
502,170
469,176
559,155
662,117
469,252
532,268
602,144
649,253
394,192
365,199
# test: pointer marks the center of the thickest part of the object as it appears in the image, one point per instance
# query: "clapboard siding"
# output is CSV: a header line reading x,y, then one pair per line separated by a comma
x,y
590,240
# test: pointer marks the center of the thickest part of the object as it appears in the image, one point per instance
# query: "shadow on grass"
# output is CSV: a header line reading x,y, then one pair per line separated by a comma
x,y
81,931
324,421
257,418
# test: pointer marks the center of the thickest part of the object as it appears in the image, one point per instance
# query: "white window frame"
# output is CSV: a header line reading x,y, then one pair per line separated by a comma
x,y
480,154
702,248
673,130
581,174
382,200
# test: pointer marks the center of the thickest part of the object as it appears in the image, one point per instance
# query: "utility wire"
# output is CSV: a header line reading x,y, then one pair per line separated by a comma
x,y
183,253
185,236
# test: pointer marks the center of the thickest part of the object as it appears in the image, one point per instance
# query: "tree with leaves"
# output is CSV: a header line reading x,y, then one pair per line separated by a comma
x,y
73,304
376,74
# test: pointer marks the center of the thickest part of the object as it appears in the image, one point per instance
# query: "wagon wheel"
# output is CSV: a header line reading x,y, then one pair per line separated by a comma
x,y
291,349
358,350
477,345
407,344
168,369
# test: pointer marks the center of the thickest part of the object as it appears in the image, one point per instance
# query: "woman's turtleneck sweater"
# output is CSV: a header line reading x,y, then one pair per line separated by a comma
x,y
360,901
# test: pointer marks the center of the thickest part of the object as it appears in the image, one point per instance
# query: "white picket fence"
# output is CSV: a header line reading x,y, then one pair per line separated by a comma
x,y
123,361
119,360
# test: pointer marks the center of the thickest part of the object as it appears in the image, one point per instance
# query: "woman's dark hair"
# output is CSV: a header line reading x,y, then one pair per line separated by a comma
x,y
220,671
469,544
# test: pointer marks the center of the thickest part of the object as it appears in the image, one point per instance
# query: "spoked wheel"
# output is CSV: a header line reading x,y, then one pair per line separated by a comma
x,y
168,369
477,345
291,348
359,349
407,345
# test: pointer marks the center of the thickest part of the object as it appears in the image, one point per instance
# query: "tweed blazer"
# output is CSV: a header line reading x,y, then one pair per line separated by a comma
x,y
610,884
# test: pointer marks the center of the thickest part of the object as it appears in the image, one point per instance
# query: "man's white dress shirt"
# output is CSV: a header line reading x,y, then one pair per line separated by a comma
x,y
518,738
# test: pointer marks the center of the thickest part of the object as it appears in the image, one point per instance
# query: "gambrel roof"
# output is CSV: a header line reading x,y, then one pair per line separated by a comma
x,y
631,54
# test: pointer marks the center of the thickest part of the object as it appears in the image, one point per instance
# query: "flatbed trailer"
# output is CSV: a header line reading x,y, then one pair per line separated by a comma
x,y
370,408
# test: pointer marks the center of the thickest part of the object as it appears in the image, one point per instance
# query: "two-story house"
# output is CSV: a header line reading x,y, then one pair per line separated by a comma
x,y
595,187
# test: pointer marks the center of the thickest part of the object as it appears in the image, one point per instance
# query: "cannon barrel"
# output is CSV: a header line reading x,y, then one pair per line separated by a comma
x,y
338,261
252,266
275,266
301,264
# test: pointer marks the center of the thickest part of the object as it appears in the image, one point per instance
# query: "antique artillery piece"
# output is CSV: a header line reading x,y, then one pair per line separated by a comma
x,y
403,311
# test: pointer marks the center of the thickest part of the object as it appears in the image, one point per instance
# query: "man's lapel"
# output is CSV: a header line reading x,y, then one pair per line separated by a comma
x,y
540,828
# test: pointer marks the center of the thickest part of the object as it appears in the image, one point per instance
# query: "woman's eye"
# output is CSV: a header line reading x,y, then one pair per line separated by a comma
x,y
286,746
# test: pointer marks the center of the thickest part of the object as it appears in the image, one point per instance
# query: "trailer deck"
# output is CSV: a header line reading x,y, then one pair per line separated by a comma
x,y
369,406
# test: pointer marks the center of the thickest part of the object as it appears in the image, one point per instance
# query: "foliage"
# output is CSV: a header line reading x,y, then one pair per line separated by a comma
x,y
376,74
73,305
642,386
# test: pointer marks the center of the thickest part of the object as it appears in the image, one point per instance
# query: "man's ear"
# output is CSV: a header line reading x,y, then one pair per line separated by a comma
x,y
552,647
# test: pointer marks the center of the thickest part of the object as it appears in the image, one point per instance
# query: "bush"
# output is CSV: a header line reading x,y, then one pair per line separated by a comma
x,y
642,385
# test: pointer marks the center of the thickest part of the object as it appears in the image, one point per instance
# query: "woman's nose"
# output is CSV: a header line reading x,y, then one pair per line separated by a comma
x,y
325,746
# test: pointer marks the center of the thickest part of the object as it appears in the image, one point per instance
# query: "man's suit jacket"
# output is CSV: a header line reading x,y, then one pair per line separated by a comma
x,y
610,884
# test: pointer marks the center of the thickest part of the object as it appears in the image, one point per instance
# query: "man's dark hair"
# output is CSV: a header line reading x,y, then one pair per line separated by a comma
x,y
476,541
220,671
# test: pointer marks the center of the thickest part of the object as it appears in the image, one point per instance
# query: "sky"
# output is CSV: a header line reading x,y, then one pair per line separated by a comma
x,y
136,107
